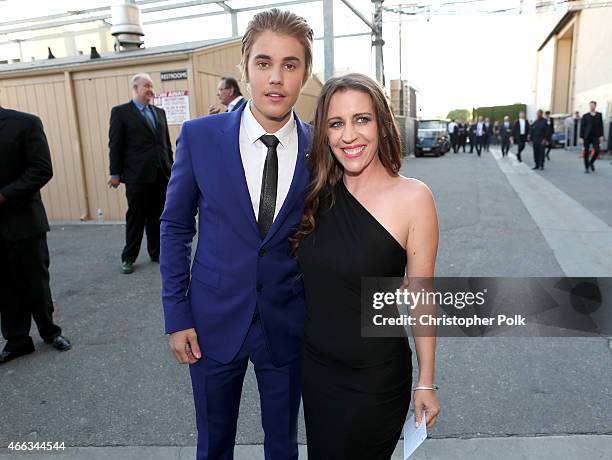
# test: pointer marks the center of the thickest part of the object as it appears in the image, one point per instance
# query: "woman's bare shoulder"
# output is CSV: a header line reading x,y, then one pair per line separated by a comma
x,y
411,192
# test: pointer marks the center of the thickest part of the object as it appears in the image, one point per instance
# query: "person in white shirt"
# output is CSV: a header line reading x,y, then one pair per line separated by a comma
x,y
480,135
241,297
452,131
229,94
568,124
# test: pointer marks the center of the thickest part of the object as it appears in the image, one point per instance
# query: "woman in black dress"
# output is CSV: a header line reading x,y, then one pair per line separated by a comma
x,y
361,219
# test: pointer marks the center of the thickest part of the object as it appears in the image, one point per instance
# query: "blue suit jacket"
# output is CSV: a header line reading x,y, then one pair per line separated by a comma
x,y
234,270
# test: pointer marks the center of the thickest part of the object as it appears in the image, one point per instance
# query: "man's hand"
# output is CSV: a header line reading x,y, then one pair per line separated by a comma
x,y
2,199
184,345
113,182
213,110
511,140
581,140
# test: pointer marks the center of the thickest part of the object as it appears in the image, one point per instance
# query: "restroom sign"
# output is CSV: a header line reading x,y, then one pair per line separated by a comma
x,y
173,75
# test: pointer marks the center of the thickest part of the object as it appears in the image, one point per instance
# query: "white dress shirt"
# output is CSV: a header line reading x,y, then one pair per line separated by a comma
x,y
253,153
479,129
522,125
232,104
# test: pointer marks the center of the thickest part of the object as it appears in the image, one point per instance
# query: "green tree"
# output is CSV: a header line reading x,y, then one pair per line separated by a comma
x,y
458,114
497,113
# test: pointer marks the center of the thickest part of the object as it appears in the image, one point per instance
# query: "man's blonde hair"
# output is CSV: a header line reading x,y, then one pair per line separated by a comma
x,y
280,22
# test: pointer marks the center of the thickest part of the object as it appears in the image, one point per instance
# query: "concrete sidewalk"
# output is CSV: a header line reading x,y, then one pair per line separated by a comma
x,y
120,389
571,447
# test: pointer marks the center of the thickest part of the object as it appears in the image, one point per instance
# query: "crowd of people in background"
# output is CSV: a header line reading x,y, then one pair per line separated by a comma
x,y
480,133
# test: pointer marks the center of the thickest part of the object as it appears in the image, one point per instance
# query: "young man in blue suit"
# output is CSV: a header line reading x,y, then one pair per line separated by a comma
x,y
244,172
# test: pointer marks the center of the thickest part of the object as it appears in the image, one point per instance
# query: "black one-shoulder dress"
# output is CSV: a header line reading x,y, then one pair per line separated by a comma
x,y
356,390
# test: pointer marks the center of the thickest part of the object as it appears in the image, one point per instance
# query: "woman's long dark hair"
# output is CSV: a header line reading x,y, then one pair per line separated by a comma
x,y
325,170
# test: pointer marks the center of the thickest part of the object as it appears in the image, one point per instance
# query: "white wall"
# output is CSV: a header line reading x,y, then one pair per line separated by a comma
x,y
593,77
544,84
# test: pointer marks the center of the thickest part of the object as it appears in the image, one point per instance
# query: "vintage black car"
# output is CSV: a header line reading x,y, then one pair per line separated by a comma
x,y
432,138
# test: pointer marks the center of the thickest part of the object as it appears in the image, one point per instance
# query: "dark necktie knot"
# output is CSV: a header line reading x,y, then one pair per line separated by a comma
x,y
269,140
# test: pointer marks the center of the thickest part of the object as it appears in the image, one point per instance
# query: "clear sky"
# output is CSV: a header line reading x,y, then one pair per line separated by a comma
x,y
461,60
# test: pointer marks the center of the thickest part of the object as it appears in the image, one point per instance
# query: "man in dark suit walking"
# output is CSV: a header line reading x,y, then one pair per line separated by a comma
x,y
140,157
505,132
591,132
539,133
229,94
25,167
471,133
462,134
549,134
520,134
488,134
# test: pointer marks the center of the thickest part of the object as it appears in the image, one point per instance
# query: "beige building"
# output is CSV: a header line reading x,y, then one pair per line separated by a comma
x,y
74,95
574,63
403,101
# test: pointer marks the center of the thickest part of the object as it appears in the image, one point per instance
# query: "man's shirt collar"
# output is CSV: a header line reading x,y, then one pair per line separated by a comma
x,y
254,130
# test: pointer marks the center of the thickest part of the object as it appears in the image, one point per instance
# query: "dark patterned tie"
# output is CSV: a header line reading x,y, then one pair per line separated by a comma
x,y
147,111
267,199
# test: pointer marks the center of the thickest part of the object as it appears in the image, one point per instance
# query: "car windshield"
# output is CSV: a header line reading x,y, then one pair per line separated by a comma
x,y
432,124
559,124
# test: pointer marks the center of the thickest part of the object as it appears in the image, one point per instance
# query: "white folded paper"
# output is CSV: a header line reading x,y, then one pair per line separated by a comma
x,y
413,436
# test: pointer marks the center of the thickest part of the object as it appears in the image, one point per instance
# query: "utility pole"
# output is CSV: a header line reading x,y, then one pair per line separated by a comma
x,y
328,38
401,91
376,29
399,26
377,40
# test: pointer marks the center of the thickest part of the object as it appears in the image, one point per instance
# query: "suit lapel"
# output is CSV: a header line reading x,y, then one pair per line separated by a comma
x,y
230,156
2,118
141,117
158,122
239,104
298,183
230,153
158,118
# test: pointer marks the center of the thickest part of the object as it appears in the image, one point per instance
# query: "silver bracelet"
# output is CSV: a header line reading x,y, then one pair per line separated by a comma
x,y
433,387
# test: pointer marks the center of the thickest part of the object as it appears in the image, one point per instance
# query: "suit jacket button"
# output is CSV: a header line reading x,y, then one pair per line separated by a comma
x,y
262,252
259,287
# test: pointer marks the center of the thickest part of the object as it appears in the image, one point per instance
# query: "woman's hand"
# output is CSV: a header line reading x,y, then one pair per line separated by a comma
x,y
426,401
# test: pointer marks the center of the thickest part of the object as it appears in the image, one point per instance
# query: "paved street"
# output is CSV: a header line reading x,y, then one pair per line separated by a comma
x,y
525,397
